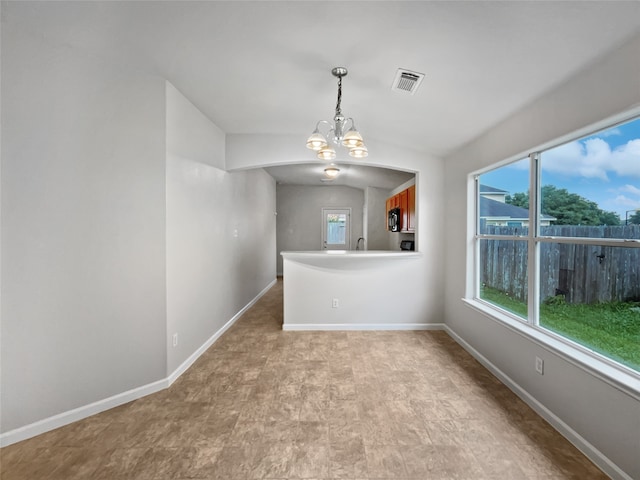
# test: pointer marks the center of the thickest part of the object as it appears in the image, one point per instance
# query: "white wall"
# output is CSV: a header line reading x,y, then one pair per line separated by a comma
x,y
299,224
603,418
212,273
83,229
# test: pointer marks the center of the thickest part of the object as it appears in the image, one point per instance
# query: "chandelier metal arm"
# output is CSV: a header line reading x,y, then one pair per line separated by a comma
x,y
325,122
337,129
353,124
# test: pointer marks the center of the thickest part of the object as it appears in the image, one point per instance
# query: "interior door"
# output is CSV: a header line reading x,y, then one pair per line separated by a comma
x,y
336,228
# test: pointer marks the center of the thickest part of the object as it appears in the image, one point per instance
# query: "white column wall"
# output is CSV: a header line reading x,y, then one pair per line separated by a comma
x,y
220,231
601,419
83,229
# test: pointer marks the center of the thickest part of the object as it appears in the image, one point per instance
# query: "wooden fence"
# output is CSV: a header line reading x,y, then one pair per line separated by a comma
x,y
582,273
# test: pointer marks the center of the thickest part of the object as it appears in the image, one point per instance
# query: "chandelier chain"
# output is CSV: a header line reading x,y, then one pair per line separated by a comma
x,y
338,109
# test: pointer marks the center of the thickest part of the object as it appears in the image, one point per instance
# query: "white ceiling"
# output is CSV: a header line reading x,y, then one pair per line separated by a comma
x,y
351,175
264,67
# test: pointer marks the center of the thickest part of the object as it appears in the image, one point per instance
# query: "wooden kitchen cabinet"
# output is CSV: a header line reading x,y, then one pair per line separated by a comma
x,y
406,201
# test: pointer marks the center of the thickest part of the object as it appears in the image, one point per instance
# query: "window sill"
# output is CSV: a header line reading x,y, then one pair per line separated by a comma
x,y
618,377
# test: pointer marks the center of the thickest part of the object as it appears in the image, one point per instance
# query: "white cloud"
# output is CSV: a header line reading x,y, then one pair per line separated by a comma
x,y
593,158
610,133
627,159
630,189
621,199
624,201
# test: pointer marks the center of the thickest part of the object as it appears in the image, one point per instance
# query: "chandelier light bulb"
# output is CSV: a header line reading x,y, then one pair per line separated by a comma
x,y
326,153
359,152
352,139
316,141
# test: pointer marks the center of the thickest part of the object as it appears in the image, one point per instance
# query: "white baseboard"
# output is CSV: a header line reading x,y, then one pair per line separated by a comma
x,y
65,418
595,455
362,326
70,416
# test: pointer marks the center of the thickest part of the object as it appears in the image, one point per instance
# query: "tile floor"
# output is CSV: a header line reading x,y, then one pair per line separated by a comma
x,y
266,404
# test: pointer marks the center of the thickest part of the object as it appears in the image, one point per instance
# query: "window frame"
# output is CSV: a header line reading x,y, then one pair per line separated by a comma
x,y
617,374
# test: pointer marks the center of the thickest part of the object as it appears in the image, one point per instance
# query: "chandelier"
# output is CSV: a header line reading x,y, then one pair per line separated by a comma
x,y
351,139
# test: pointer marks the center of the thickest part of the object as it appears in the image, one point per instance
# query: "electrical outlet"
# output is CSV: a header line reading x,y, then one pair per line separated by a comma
x,y
175,339
540,365
336,303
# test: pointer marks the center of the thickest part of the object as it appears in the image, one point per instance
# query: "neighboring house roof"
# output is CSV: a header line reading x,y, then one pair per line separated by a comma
x,y
488,189
493,208
490,208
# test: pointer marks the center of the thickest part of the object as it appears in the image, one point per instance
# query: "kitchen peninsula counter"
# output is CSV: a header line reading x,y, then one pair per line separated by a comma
x,y
353,290
345,258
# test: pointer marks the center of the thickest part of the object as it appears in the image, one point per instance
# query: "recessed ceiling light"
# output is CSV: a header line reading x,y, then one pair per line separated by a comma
x,y
332,171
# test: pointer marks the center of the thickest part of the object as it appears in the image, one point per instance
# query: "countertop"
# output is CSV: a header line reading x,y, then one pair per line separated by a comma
x,y
351,254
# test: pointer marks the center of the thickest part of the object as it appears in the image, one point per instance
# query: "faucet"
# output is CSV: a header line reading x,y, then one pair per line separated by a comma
x,y
358,243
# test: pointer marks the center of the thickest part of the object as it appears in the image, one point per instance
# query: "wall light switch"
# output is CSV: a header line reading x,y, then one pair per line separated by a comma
x,y
175,339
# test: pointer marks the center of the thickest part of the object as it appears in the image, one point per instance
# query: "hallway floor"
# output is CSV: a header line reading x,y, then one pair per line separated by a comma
x,y
264,403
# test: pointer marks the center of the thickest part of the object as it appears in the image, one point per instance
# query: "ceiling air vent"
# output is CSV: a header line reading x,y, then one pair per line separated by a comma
x,y
407,81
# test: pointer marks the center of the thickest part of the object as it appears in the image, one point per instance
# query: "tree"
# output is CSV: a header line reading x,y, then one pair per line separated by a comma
x,y
518,199
609,218
634,219
568,208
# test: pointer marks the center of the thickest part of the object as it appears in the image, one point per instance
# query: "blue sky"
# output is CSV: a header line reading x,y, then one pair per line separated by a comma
x,y
604,168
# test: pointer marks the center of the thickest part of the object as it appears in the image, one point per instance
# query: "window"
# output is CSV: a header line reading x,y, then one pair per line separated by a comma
x,y
335,228
557,242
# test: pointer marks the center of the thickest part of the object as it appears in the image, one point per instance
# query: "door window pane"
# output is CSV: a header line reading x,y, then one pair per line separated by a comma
x,y
336,228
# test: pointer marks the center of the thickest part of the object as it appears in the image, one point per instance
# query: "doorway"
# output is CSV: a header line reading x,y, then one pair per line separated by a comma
x,y
336,228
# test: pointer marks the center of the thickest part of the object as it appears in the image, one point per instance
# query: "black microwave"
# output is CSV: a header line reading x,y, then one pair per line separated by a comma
x,y
393,220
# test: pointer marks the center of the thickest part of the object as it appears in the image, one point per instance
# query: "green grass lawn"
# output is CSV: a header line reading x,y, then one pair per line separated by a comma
x,y
612,329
